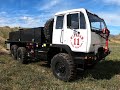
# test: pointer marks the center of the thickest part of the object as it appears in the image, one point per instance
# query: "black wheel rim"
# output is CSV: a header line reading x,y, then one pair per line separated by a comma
x,y
60,69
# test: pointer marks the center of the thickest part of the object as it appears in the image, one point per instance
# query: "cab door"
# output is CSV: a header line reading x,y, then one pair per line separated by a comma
x,y
58,30
75,32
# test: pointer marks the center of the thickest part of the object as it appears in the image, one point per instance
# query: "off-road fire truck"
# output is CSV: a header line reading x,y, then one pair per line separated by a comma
x,y
72,39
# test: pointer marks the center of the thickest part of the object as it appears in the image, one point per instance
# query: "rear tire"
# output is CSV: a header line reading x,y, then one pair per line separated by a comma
x,y
21,55
63,67
13,51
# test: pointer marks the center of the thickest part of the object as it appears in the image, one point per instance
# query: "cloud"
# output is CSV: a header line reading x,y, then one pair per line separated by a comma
x,y
53,6
49,8
49,5
23,19
112,19
35,20
30,21
116,2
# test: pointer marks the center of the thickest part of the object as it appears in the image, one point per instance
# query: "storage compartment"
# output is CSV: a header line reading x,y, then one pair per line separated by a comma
x,y
39,35
28,35
14,36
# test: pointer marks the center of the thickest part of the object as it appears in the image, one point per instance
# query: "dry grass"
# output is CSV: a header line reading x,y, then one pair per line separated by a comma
x,y
115,41
37,76
4,31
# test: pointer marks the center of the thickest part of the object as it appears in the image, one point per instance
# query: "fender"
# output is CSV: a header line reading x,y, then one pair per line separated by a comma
x,y
65,47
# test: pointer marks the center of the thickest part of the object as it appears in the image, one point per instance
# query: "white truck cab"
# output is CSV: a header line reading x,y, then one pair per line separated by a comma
x,y
79,29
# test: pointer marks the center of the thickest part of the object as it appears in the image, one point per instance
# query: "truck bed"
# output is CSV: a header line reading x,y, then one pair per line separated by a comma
x,y
27,35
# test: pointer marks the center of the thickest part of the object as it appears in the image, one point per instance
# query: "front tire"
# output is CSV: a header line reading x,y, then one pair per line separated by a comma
x,y
63,67
21,55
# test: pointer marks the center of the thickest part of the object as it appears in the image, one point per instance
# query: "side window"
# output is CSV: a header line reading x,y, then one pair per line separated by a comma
x,y
82,21
59,22
73,21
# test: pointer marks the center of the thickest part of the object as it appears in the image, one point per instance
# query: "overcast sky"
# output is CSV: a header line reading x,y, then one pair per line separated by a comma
x,y
34,13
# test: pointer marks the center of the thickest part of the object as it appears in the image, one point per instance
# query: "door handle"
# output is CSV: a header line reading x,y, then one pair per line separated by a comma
x,y
61,37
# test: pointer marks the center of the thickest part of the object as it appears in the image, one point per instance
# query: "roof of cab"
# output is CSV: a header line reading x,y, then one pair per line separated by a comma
x,y
68,11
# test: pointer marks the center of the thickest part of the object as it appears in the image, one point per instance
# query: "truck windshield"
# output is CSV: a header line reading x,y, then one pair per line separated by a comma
x,y
96,22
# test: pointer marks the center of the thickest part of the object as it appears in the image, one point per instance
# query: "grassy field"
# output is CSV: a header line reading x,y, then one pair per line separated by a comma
x,y
37,76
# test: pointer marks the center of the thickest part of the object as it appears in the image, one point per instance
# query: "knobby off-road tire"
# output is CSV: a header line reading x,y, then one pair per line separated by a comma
x,y
13,51
63,67
48,29
21,55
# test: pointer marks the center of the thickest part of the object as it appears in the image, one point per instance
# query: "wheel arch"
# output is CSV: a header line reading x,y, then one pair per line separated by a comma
x,y
19,44
55,49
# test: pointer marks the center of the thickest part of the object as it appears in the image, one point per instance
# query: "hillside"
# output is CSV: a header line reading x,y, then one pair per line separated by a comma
x,y
115,38
4,32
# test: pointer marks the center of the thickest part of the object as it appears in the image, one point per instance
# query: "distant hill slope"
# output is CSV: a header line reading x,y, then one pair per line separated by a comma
x,y
4,32
114,38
